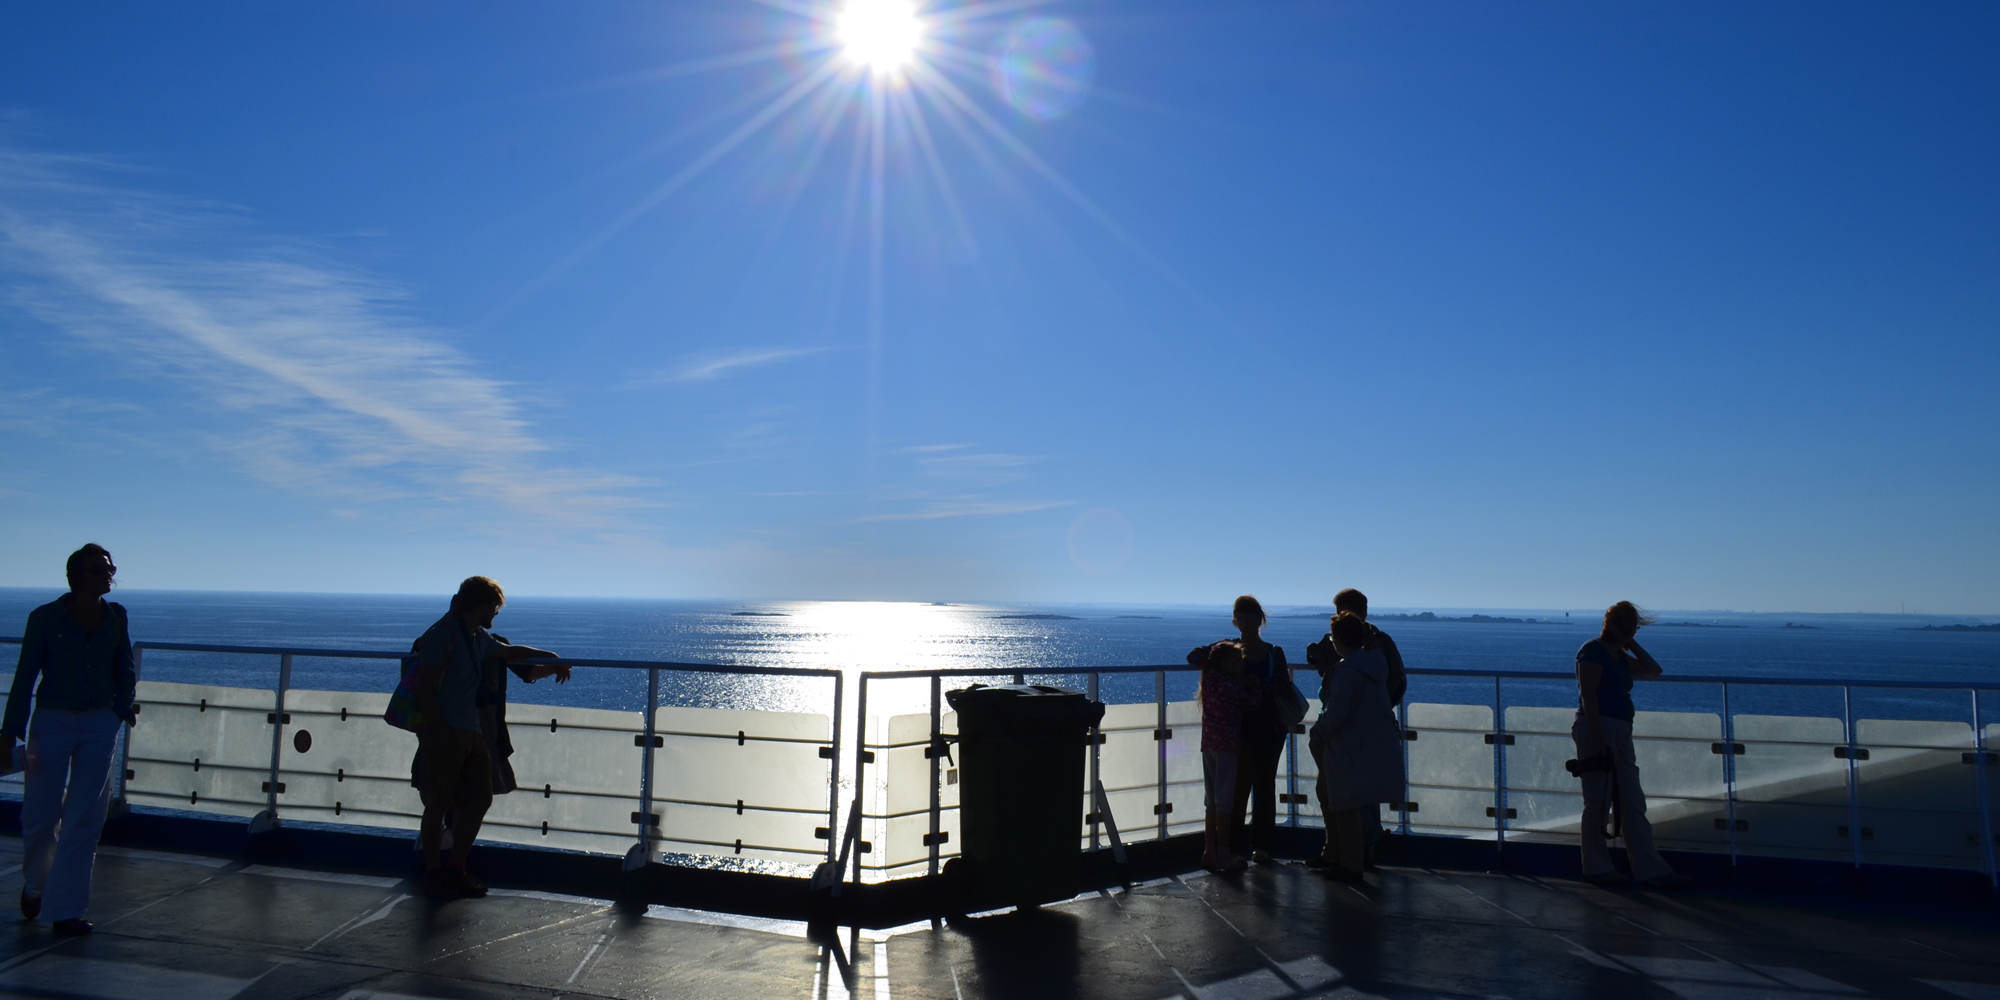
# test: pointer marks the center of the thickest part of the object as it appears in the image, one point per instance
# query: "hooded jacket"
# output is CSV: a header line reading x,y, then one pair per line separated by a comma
x,y
1363,762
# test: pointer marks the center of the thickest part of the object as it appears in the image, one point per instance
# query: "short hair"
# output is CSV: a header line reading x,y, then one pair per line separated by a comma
x,y
1350,631
1248,607
90,550
1351,600
478,591
1224,654
1625,617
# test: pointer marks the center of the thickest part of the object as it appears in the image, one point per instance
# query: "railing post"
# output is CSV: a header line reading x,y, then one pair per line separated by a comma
x,y
936,751
833,777
118,802
1095,809
642,852
1985,794
1499,769
1853,775
1292,778
860,759
1160,805
1403,734
268,819
1729,773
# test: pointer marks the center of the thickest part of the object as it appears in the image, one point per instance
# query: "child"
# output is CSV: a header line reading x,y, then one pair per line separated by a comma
x,y
1226,693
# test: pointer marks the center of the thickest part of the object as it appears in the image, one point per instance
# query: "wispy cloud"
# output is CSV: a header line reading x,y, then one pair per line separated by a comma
x,y
967,509
701,368
345,392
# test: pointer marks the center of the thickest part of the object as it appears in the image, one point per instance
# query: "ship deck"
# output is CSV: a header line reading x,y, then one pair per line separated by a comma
x,y
196,927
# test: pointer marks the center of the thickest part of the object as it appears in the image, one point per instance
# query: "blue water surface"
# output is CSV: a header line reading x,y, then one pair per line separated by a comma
x,y
1040,641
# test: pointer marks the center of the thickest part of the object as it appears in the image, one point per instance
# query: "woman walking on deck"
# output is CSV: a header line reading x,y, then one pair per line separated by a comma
x,y
1605,668
80,648
1263,733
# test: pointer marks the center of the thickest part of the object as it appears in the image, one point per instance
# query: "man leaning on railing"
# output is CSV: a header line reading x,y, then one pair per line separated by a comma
x,y
457,763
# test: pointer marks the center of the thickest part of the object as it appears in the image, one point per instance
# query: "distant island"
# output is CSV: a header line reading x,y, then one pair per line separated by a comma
x,y
1696,625
1995,627
1431,617
1035,618
760,614
1796,625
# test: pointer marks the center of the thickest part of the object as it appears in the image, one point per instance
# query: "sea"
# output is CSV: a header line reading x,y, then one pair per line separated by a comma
x,y
1828,661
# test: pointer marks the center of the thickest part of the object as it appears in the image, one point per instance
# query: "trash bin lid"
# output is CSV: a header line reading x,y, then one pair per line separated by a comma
x,y
1022,710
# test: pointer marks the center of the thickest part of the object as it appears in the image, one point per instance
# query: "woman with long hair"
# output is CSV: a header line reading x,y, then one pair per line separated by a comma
x,y
1263,733
78,646
1605,669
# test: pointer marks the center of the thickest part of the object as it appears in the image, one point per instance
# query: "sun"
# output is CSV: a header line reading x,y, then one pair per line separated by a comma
x,y
880,34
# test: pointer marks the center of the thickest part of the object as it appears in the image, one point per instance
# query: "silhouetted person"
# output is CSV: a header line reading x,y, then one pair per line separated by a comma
x,y
80,647
1263,727
1361,753
458,760
1321,655
1227,693
1605,669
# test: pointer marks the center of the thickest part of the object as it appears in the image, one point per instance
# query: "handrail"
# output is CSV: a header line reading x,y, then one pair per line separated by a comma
x,y
726,668
1552,675
356,654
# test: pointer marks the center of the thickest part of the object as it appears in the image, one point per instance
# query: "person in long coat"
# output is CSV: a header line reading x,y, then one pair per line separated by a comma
x,y
1362,763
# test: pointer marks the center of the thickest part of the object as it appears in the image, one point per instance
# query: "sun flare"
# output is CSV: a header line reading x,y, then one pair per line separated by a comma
x,y
880,34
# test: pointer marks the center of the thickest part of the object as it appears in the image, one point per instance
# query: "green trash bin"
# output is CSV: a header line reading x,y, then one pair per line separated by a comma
x,y
1020,789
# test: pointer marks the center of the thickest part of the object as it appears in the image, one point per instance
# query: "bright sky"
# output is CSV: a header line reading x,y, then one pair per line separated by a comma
x,y
1469,305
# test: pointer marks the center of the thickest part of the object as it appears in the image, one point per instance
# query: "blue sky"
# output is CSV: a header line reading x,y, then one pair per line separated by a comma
x,y
1470,305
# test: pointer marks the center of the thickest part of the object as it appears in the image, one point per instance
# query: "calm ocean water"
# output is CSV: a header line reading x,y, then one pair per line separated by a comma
x,y
1040,641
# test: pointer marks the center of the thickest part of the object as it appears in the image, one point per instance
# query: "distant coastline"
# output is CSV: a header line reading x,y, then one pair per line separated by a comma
x,y
1487,619
1695,625
1995,627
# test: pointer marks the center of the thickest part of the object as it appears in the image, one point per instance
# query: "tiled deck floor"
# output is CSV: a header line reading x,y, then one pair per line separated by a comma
x,y
193,928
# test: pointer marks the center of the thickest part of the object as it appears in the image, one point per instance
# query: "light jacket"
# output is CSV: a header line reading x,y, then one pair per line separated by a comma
x,y
1363,761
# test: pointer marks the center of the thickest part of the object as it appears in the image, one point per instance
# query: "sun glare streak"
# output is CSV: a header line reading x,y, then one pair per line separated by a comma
x,y
882,35
938,84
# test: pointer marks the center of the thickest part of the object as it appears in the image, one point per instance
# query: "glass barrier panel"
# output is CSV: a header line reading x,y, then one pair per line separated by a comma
x,y
340,763
1186,785
1547,801
740,782
1128,764
907,794
1687,798
201,747
1308,810
1791,791
1451,769
578,769
1919,794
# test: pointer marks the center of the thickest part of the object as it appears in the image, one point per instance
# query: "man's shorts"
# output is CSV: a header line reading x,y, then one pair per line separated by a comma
x,y
459,769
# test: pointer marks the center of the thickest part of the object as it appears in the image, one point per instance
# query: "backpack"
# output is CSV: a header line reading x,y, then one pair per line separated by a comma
x,y
403,711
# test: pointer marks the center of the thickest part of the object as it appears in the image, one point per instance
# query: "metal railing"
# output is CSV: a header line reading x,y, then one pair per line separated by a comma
x,y
648,739
1725,742
1506,787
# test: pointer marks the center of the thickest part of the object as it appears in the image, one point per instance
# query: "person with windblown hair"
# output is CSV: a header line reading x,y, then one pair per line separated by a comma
x,y
80,648
1361,763
1605,669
